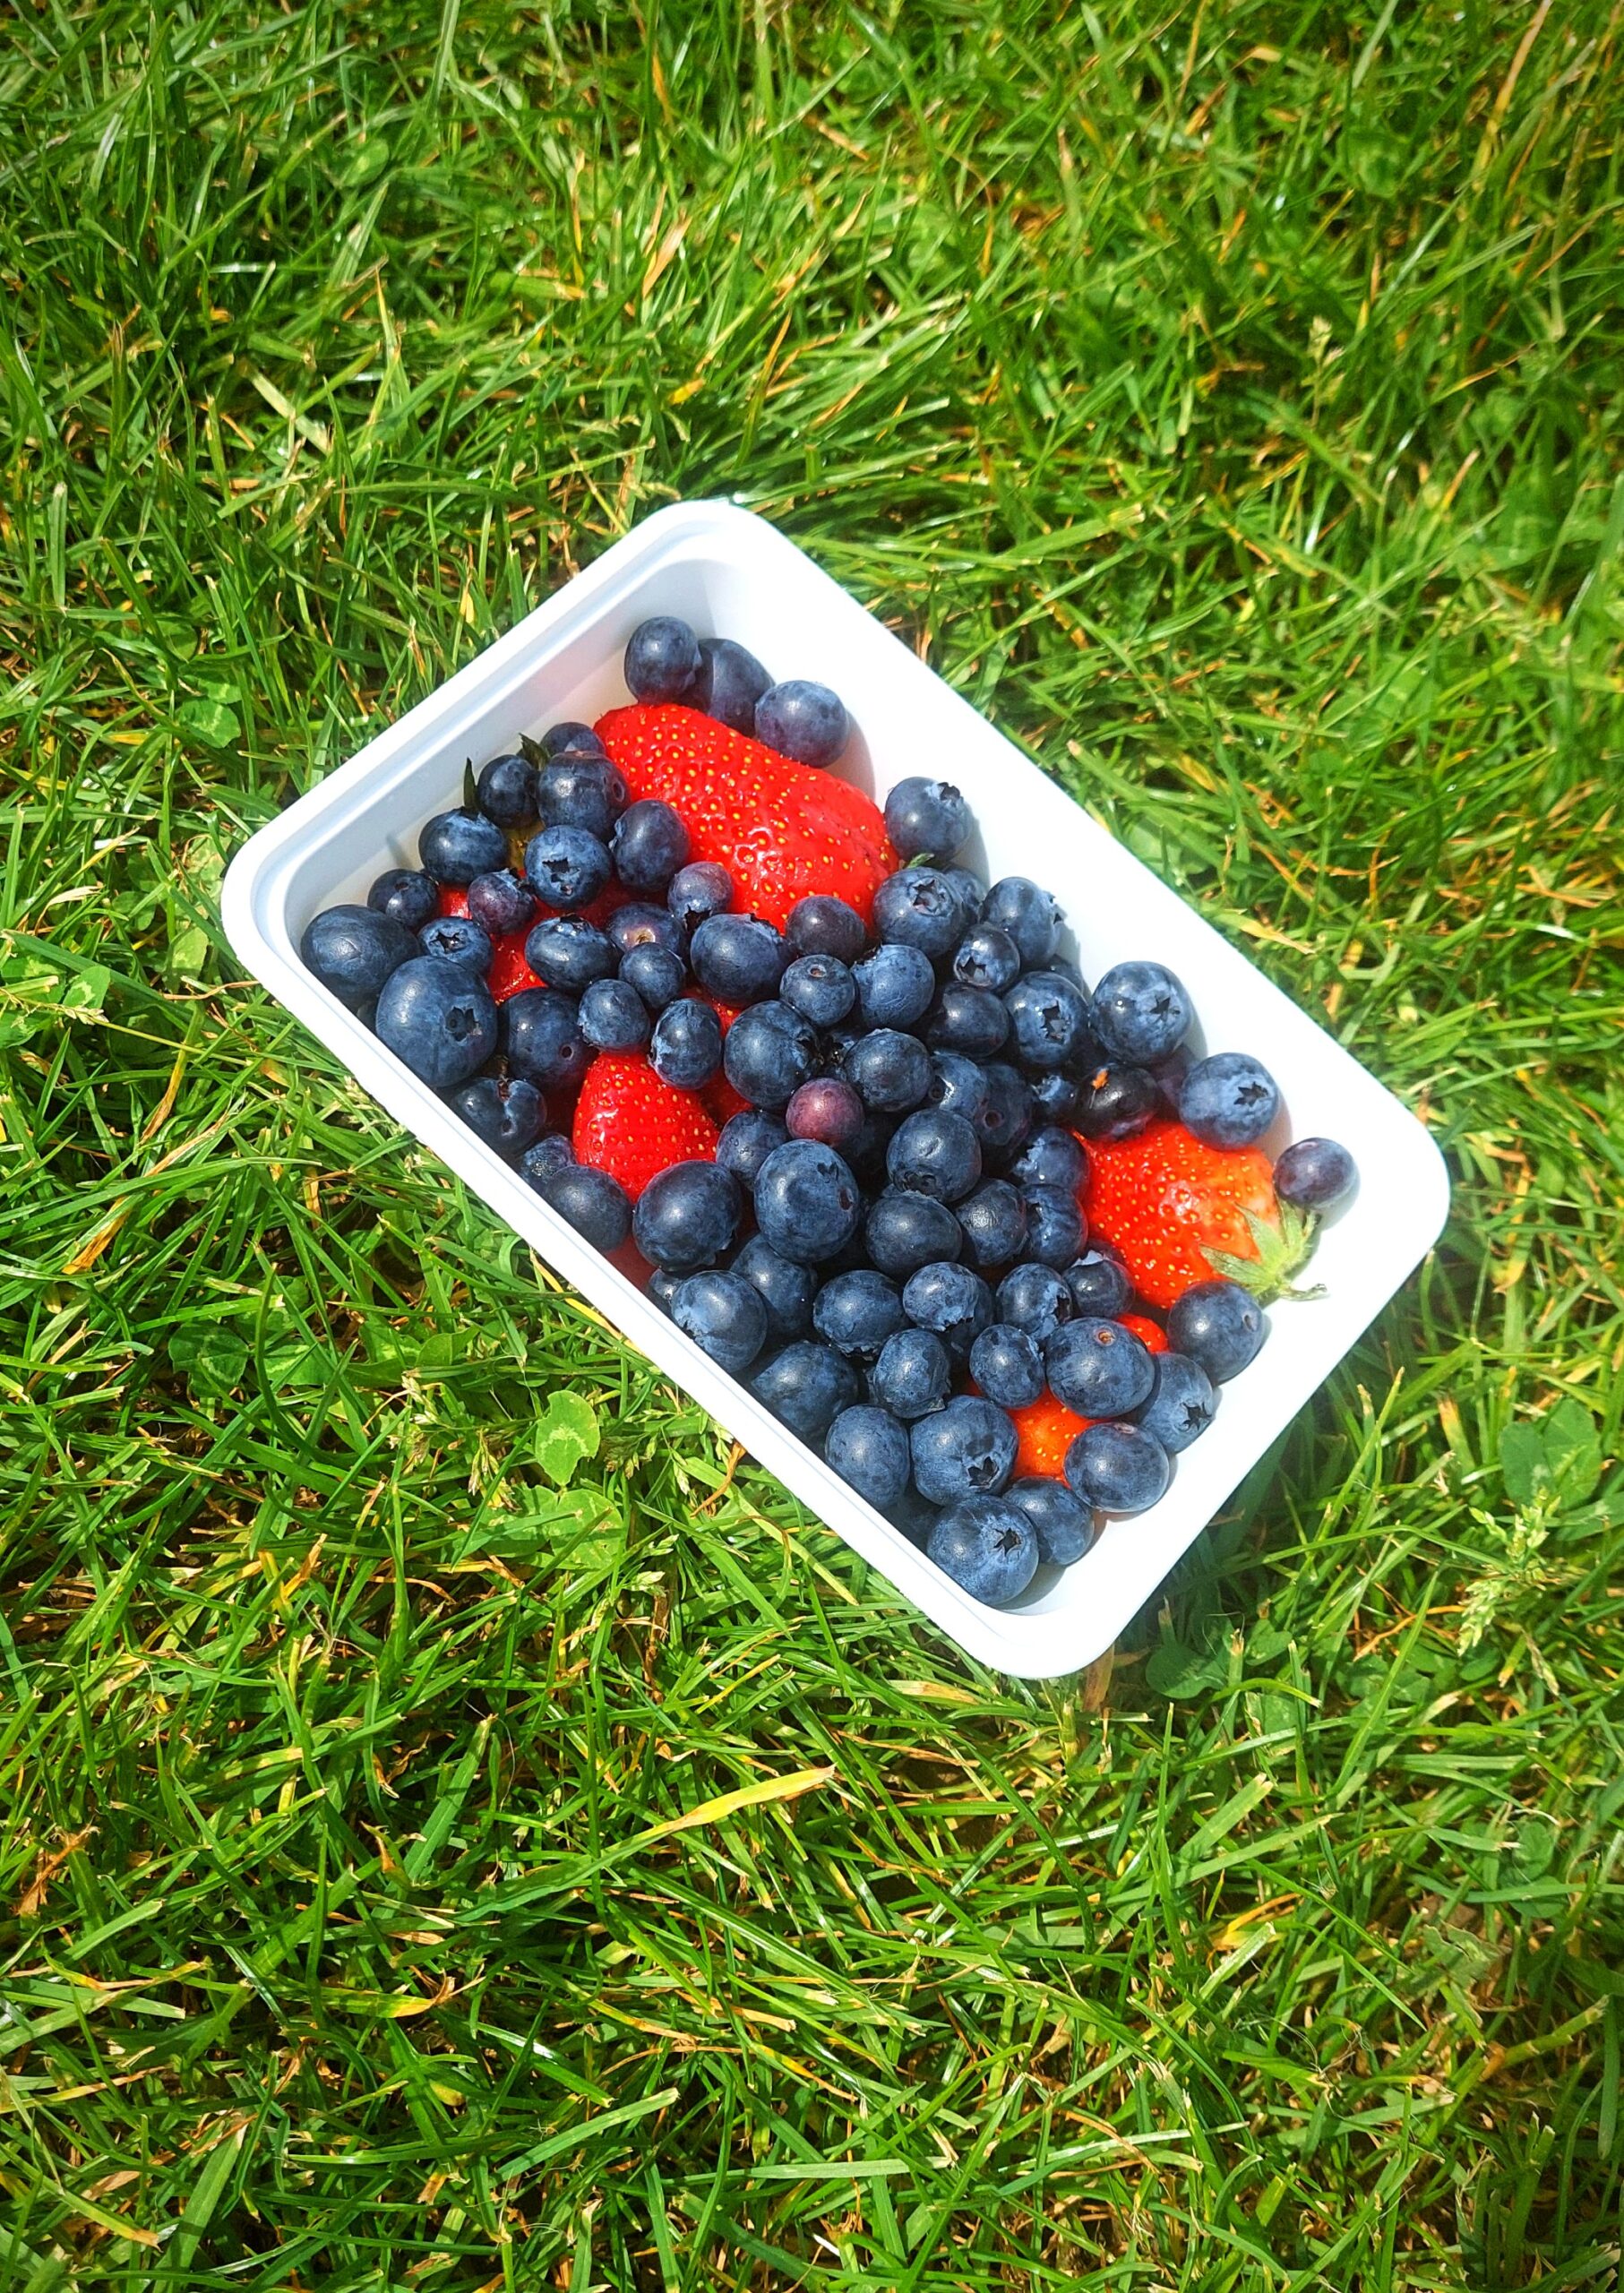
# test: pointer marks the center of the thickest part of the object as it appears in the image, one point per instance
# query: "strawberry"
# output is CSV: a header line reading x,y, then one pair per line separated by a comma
x,y
1151,1335
453,899
510,967
781,829
630,1124
1178,1213
1044,1430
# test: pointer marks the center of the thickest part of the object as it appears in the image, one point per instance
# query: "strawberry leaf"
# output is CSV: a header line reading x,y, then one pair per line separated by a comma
x,y
470,786
1283,1252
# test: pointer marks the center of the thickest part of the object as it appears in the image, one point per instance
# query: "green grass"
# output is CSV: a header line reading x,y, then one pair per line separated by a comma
x,y
1227,399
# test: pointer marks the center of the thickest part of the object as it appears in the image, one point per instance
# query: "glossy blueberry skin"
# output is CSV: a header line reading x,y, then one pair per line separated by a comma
x,y
1117,1468
904,1231
508,1116
454,848
437,1017
1313,1174
649,846
917,907
727,684
686,1216
808,1203
950,1299
987,956
738,958
407,895
567,952
1008,1364
914,1374
746,1141
856,1312
685,1050
1181,1401
821,988
701,889
806,1387
827,1109
547,1155
1063,1525
936,1153
823,926
1036,1299
1048,1016
662,659
785,1290
1116,1102
1097,1368
987,1546
506,791
663,1287
657,975
1054,1099
1028,914
896,987
1141,1013
1005,1119
993,1222
1056,1229
639,924
581,789
966,1449
566,867
614,1016
925,815
593,1203
1229,1100
803,720
959,1085
724,1315
869,1448
501,902
569,732
769,1052
457,940
1050,1157
1099,1283
1220,1326
352,952
968,1021
541,1035
889,1071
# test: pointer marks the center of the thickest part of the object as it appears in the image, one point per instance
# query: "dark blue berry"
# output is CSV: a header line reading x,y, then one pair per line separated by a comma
x,y
454,848
1035,1299
566,951
1054,1098
1097,1368
856,1312
914,1374
727,684
1063,1527
1313,1174
1005,1117
1048,1016
1117,1468
1141,1013
566,867
738,958
827,1109
823,926
968,1021
1181,1401
570,733
407,895
501,901
649,846
952,1299
542,1038
457,940
582,791
957,1084
917,907
1050,1157
889,1071
506,791
686,1216
724,1316
437,1017
869,1448
352,952
993,1222
1099,1283
988,957
1168,1075
987,1546
934,1153
905,1232
657,975
803,720
1219,1324
926,816
662,659
686,1048
1028,914
1006,1363
807,1201
769,1052
1229,1100
663,1287
821,988
640,925
702,889
806,1387
614,1016
785,1290
547,1155
1115,1102
593,1203
1055,1226
508,1116
746,1141
966,1449
896,986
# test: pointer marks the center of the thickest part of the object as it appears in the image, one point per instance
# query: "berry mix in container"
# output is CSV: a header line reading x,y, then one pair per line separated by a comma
x,y
988,1236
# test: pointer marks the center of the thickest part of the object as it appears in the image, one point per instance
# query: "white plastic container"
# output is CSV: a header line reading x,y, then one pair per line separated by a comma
x,y
732,574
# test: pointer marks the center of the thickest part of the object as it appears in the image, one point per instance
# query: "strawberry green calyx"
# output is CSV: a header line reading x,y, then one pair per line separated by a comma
x,y
1283,1252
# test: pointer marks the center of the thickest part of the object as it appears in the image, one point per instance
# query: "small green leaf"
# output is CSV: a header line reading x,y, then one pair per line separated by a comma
x,y
1179,1673
210,721
211,1359
1264,1642
37,993
1555,1461
566,1435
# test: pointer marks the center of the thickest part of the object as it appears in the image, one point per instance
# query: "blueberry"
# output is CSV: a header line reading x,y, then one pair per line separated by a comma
x,y
949,1298
807,1201
352,950
454,848
566,867
914,1374
806,1387
737,957
702,889
649,846
968,1021
856,1312
1116,1102
1315,1172
1117,1468
581,790
915,1515
1048,1016
959,1085
1220,1326
566,951
1006,1110
657,975
639,924
746,1141
993,1222
1056,1229
866,1153
905,1232
869,1448
803,720
1141,1013
926,816
437,1017
987,1546
614,1016
570,733
724,1315
785,1290
1099,1283
917,907
686,1048
542,1038
501,901
1228,1100
827,1109
896,986
821,988
934,1153
686,1216
1181,1401
1028,914
663,1287
508,1116
1006,1363
1051,1157
1054,1098
594,1203
407,895
1035,1299
769,1052
1063,1527
1097,1368
987,956
727,684
506,791
457,940
823,926
1168,1075
547,1155
889,1071
966,1449
662,657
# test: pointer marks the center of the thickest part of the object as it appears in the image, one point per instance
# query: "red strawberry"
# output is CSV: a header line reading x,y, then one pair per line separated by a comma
x,y
781,829
453,899
1151,1334
510,967
630,1124
1164,1201
1044,1430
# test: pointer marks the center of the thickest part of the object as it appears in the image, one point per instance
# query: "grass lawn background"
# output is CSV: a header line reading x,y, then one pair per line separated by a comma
x,y
1224,397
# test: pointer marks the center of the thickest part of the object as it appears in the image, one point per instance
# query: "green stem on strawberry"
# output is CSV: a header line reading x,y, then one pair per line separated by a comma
x,y
1283,1252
